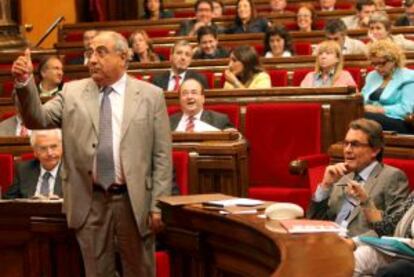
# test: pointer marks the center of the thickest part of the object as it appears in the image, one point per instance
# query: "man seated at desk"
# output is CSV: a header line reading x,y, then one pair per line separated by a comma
x,y
193,117
40,176
386,186
181,57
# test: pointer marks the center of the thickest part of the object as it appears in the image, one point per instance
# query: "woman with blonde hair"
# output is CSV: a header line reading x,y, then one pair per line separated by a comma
x,y
328,68
388,90
142,48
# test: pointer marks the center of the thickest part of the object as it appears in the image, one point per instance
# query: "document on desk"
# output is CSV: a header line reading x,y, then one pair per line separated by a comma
x,y
241,202
297,226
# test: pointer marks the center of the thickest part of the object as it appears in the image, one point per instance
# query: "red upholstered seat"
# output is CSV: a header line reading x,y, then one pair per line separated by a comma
x,y
6,115
7,171
279,77
184,14
27,156
299,74
162,264
394,3
156,33
180,162
172,109
74,36
163,51
302,48
277,135
209,75
405,165
7,88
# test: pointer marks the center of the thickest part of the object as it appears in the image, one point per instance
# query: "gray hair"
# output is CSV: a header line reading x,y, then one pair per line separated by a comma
x,y
181,42
380,17
120,44
37,133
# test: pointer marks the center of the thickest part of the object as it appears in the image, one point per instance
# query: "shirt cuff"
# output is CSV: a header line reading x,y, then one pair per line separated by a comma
x,y
18,84
321,194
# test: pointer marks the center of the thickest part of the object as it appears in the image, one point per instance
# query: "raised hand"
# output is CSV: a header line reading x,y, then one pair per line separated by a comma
x,y
333,173
22,67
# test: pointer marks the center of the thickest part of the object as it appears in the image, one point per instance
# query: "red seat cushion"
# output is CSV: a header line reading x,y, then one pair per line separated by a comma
x,y
163,51
7,171
302,48
356,75
162,263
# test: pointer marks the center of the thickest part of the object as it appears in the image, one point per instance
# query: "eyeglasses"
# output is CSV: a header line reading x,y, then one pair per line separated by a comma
x,y
379,63
100,51
354,144
45,149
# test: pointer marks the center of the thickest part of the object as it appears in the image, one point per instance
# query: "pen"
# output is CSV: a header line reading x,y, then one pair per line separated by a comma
x,y
341,185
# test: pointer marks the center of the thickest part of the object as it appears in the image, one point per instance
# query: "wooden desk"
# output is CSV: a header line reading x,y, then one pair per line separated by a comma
x,y
215,165
34,241
205,243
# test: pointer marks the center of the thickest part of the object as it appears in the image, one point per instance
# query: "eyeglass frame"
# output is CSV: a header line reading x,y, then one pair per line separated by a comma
x,y
354,144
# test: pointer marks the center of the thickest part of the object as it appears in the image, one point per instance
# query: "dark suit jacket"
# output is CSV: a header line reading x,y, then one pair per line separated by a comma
x,y
163,79
25,180
216,119
258,25
403,21
386,186
219,54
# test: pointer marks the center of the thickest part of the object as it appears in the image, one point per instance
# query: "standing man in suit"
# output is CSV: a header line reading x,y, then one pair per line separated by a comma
x,y
40,176
181,56
386,186
193,117
117,155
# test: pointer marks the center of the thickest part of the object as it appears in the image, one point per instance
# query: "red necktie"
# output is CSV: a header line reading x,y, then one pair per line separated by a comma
x,y
23,131
190,124
177,82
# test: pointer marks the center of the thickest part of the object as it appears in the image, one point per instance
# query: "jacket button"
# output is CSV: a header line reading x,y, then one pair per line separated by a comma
x,y
93,145
90,172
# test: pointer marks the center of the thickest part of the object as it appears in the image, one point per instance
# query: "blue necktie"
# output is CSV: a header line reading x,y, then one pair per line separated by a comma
x,y
347,205
105,166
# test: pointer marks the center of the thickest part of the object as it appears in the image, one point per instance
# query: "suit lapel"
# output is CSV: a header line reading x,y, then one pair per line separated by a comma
x,y
57,190
91,101
205,116
372,179
131,104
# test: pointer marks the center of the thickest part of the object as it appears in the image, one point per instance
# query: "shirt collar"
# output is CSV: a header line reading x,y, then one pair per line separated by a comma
x,y
53,172
50,92
196,117
318,75
182,75
366,172
120,85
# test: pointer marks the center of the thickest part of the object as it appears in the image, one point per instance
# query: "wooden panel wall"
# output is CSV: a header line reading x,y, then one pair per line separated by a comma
x,y
42,13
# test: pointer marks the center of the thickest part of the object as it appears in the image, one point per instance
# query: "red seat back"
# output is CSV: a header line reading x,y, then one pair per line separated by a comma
x,y
356,75
405,165
298,75
7,88
278,134
180,162
209,75
7,171
163,51
162,264
27,156
279,77
302,48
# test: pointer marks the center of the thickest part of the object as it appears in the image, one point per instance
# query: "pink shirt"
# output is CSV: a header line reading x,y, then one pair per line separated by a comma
x,y
345,79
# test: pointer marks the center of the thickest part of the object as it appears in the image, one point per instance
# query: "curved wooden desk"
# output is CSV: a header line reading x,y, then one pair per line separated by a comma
x,y
205,243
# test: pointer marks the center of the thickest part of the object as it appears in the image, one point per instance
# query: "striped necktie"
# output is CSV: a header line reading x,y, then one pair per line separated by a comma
x,y
190,124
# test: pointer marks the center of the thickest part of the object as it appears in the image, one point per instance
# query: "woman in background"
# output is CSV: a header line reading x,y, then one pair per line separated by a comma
x,y
154,10
142,49
245,70
328,68
246,19
306,17
277,42
389,89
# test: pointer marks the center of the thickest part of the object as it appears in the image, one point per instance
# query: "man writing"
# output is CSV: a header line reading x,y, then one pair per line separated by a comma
x,y
193,117
386,186
117,155
40,176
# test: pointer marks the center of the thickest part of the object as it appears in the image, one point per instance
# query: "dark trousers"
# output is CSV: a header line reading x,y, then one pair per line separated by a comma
x,y
390,124
398,268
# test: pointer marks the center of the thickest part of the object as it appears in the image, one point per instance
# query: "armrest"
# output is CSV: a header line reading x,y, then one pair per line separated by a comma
x,y
409,119
301,165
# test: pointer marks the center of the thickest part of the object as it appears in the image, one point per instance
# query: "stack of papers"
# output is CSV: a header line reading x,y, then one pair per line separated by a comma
x,y
242,202
296,226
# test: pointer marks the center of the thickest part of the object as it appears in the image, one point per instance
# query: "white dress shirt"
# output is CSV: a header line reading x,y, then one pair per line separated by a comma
x,y
52,179
171,82
199,126
117,97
